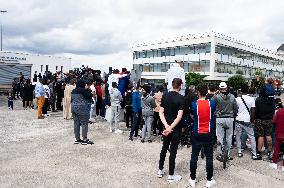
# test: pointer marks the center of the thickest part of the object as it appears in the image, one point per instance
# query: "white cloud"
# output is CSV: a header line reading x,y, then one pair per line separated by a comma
x,y
102,31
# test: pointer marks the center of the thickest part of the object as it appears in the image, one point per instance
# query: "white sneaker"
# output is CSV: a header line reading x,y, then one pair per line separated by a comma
x,y
210,183
160,173
282,168
118,131
273,166
110,130
191,182
174,178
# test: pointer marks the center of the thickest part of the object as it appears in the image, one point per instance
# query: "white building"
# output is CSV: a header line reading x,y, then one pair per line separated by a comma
x,y
40,63
280,50
212,54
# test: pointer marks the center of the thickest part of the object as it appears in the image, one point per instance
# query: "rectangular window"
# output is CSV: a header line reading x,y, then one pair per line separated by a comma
x,y
56,67
157,67
186,67
144,54
163,53
61,69
168,52
41,68
173,52
46,67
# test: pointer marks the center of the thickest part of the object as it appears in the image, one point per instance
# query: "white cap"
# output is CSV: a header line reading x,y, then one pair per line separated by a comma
x,y
223,85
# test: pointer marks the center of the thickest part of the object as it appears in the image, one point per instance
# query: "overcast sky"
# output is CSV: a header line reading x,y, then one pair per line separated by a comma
x,y
100,32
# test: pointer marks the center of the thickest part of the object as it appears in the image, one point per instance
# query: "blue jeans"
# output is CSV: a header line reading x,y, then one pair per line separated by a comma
x,y
244,138
89,108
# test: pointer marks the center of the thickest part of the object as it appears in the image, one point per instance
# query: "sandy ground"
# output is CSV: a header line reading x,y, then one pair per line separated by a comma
x,y
41,153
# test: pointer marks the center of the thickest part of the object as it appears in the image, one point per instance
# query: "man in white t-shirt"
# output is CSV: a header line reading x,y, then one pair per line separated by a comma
x,y
114,77
246,115
176,71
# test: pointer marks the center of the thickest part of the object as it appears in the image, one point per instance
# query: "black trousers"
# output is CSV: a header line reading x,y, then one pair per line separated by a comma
x,y
208,151
128,114
45,105
157,124
135,125
11,104
99,105
140,121
58,102
172,141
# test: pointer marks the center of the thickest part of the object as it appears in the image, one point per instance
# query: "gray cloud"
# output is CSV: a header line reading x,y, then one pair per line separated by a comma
x,y
108,27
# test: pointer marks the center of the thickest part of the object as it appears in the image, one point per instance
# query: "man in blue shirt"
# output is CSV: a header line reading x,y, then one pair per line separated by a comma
x,y
136,112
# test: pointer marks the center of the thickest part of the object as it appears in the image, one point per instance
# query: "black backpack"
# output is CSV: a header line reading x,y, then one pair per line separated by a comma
x,y
128,98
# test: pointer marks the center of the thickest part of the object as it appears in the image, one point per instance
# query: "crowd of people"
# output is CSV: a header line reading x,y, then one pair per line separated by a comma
x,y
202,113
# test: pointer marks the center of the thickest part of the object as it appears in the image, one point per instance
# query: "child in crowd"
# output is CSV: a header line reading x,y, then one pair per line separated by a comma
x,y
10,101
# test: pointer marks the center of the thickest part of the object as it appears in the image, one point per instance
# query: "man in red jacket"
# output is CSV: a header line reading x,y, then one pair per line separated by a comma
x,y
278,120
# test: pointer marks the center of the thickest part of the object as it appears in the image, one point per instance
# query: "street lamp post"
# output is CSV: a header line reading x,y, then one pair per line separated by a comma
x,y
2,12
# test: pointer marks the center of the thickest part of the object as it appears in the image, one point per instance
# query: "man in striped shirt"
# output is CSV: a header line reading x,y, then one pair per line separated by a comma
x,y
202,134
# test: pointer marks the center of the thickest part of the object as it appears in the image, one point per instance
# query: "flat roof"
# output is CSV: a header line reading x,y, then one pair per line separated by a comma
x,y
219,39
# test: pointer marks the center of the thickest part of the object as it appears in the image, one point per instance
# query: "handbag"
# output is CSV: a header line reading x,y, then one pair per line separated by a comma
x,y
108,114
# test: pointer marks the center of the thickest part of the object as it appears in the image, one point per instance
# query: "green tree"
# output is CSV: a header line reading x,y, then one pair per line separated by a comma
x,y
192,78
258,72
258,82
236,81
239,72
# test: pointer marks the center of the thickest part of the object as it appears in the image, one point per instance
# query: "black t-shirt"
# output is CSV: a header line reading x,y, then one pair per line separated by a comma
x,y
265,108
172,103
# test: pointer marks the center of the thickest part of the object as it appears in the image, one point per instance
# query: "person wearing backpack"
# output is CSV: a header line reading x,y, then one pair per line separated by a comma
x,y
264,111
148,105
244,119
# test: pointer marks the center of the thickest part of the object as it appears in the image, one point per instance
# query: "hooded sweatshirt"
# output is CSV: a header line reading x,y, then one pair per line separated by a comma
x,y
148,105
79,98
264,106
226,106
115,97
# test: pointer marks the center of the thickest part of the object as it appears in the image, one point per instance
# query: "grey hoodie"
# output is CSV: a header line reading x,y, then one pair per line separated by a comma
x,y
115,97
226,106
148,105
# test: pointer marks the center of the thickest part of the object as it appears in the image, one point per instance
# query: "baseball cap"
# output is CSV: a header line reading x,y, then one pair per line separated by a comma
x,y
223,85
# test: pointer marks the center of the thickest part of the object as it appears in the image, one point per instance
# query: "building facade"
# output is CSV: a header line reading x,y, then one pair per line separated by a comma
x,y
212,54
40,63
